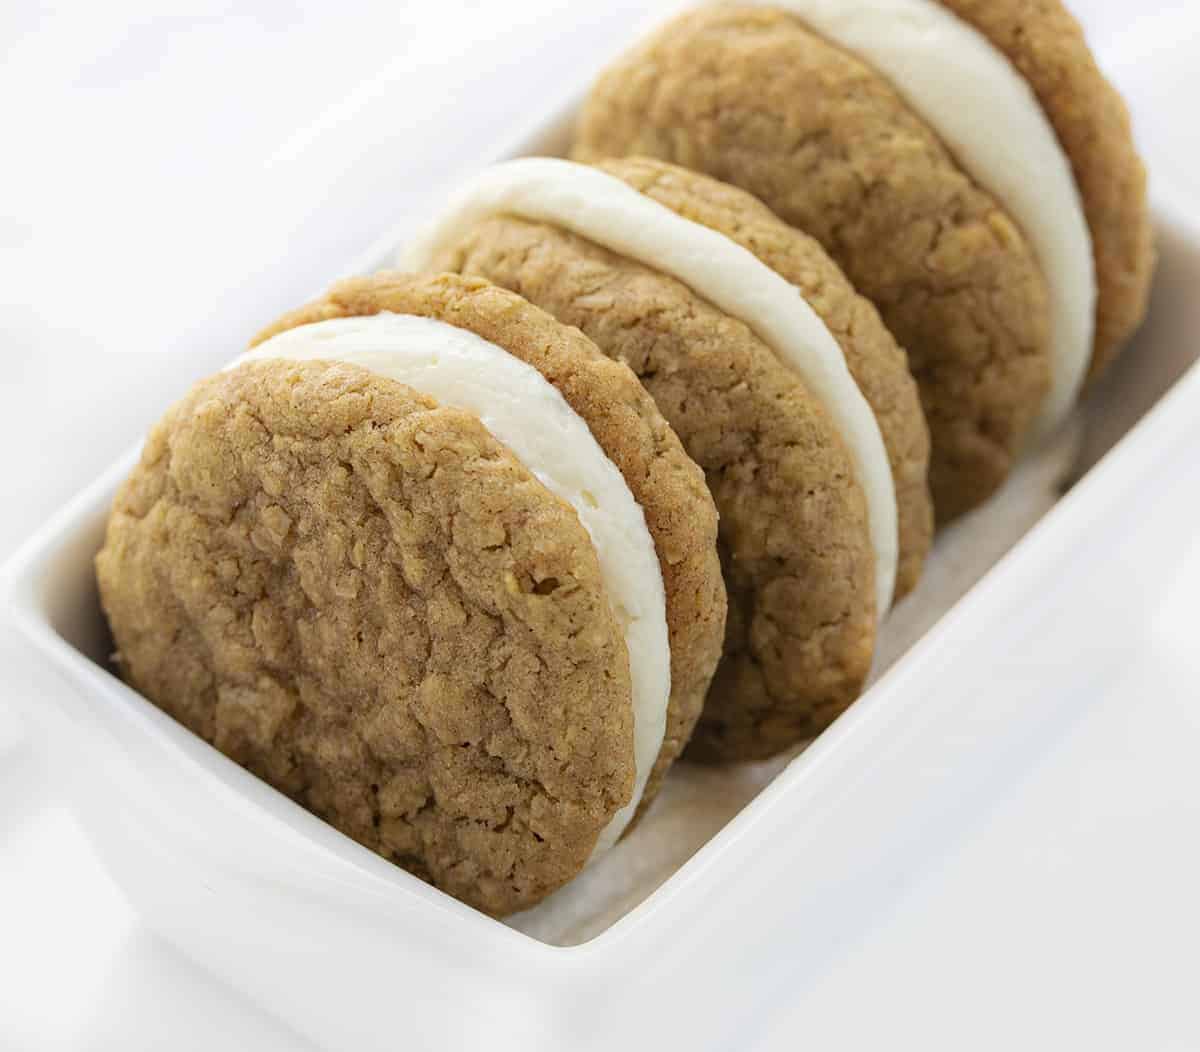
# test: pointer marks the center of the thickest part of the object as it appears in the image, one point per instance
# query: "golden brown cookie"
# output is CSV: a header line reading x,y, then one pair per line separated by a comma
x,y
338,583
1045,42
752,97
372,603
797,554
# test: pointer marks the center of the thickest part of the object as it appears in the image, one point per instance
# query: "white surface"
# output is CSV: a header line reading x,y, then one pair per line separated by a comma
x,y
1064,915
609,212
324,932
988,115
521,408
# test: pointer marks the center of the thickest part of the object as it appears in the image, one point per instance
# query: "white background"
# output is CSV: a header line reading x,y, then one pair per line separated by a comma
x,y
169,181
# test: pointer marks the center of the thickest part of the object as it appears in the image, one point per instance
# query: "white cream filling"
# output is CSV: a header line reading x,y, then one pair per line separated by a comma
x,y
609,212
987,114
525,412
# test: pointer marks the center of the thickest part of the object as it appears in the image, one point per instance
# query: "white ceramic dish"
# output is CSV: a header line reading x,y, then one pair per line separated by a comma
x,y
357,954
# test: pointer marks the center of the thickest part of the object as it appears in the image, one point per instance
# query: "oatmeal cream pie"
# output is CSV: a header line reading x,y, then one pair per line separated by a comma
x,y
781,382
430,564
964,161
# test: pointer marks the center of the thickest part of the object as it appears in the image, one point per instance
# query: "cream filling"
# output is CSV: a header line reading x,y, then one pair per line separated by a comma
x,y
987,114
603,209
525,412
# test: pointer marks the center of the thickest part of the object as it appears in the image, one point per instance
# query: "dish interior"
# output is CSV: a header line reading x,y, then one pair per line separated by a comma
x,y
697,803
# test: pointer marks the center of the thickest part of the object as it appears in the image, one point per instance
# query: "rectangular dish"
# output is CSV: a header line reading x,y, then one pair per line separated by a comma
x,y
770,871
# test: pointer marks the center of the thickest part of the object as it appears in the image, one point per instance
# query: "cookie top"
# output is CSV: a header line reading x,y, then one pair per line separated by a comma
x,y
795,544
878,365
667,485
1045,42
368,601
752,97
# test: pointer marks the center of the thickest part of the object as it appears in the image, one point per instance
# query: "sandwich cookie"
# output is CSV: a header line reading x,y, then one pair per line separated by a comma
x,y
430,564
821,490
965,162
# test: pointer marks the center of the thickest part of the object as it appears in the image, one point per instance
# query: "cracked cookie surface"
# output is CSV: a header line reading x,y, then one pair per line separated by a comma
x,y
753,98
366,600
797,556
664,480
